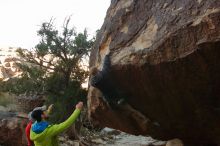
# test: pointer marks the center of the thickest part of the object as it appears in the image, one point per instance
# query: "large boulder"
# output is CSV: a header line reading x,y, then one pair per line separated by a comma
x,y
165,58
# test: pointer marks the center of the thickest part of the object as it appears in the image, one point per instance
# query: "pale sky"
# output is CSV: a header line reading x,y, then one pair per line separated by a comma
x,y
20,19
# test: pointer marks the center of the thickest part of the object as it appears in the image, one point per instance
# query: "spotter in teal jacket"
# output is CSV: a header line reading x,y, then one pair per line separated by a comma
x,y
44,134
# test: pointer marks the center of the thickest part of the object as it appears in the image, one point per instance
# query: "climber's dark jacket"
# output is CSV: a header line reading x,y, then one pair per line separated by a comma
x,y
104,82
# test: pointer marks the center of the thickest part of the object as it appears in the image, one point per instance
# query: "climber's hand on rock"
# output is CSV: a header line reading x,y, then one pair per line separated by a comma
x,y
79,105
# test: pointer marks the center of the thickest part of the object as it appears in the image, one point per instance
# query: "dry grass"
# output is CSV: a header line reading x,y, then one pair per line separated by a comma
x,y
6,99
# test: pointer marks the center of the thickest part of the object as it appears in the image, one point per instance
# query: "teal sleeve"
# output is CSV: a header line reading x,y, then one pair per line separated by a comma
x,y
59,128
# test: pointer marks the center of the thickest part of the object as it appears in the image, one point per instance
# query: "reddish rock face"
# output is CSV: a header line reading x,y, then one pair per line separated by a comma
x,y
166,59
12,130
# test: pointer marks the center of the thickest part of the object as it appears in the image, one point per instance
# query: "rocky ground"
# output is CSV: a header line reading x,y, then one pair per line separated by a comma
x,y
112,137
13,122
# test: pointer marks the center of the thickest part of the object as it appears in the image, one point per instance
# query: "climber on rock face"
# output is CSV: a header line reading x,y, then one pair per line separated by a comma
x,y
44,134
102,79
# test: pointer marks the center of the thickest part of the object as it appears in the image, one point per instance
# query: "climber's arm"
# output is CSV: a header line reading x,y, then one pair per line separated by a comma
x,y
59,128
106,65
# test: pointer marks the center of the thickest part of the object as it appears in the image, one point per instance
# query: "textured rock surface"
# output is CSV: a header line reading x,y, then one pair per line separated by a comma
x,y
8,60
9,69
166,59
12,130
